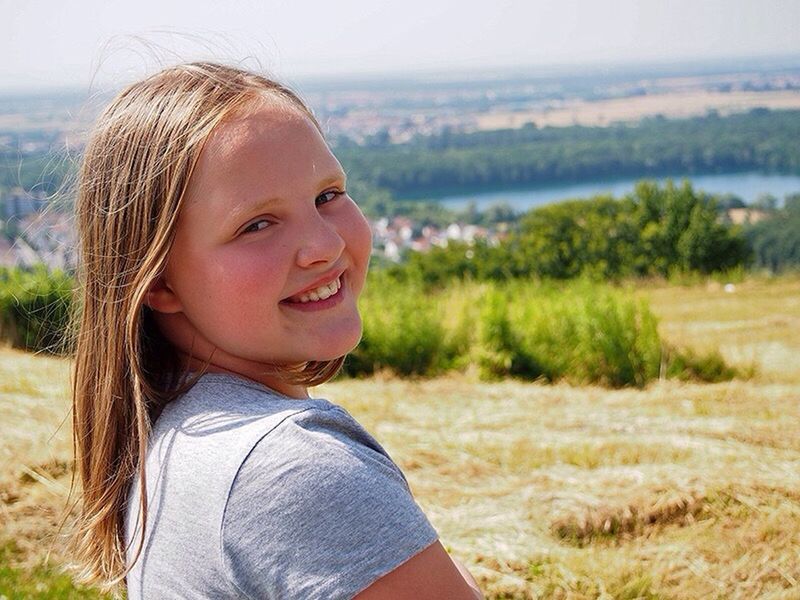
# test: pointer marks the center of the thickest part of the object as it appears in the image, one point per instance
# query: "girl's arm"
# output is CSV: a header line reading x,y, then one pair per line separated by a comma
x,y
468,576
429,575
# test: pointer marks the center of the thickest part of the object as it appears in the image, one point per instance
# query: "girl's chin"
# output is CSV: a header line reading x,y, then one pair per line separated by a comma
x,y
333,353
340,341
327,345
322,352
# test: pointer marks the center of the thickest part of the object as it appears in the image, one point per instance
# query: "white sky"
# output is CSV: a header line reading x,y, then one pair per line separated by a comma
x,y
68,42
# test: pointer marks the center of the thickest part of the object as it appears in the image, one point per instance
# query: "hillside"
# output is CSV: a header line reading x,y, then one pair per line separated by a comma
x,y
675,491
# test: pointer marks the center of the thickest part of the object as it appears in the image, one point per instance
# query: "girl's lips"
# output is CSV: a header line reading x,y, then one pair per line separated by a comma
x,y
313,305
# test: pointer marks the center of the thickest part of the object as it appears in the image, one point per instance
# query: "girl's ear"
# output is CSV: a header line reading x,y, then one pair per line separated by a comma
x,y
161,298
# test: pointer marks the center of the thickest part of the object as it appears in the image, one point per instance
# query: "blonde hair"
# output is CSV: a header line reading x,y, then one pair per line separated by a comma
x,y
131,187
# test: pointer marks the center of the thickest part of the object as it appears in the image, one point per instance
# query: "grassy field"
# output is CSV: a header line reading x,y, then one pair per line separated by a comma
x,y
674,491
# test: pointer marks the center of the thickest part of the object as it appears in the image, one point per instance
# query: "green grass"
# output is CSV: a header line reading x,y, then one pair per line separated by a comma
x,y
35,308
40,582
580,331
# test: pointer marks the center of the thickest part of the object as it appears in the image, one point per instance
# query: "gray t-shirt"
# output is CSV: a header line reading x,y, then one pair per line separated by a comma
x,y
253,494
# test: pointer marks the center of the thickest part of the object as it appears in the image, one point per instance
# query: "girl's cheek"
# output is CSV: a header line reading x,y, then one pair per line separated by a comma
x,y
360,243
239,277
362,233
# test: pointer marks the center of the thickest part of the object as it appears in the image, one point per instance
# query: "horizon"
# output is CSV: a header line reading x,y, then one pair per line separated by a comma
x,y
501,72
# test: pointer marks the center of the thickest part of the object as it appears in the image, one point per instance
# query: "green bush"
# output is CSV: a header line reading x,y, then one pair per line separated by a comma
x,y
579,331
35,308
501,351
688,365
403,331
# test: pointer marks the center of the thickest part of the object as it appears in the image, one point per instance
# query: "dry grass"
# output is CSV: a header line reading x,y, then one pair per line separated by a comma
x,y
675,491
566,492
35,451
757,323
678,104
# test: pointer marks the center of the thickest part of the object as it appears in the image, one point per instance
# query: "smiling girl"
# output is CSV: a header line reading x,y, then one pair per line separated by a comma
x,y
221,264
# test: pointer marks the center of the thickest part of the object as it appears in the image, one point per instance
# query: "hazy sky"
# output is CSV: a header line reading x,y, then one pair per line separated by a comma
x,y
63,42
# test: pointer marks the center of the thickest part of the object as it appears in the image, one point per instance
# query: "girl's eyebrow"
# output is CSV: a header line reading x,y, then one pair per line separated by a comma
x,y
245,208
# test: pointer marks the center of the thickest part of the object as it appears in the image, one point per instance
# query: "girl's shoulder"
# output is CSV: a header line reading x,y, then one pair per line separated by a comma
x,y
241,413
318,509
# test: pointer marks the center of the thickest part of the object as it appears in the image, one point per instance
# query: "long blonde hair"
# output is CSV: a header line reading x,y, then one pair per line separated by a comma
x,y
131,185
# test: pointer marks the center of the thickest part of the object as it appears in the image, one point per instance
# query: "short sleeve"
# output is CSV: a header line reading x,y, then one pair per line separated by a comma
x,y
314,513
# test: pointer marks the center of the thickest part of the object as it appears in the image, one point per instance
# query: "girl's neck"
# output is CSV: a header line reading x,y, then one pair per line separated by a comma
x,y
247,371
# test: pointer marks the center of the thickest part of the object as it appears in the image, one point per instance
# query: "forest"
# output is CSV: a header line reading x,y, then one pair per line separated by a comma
x,y
761,140
453,162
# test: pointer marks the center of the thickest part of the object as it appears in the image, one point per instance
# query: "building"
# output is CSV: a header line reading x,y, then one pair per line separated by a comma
x,y
18,203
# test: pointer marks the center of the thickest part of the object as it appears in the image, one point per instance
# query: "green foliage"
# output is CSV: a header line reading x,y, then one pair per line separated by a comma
x,y
460,260
580,331
452,162
501,352
567,239
654,231
689,365
377,202
776,240
35,308
402,331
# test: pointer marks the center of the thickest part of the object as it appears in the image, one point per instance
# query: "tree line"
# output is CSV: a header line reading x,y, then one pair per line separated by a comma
x,y
385,176
460,162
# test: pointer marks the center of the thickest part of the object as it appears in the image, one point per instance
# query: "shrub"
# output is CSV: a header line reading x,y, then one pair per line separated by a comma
x,y
585,333
35,308
581,332
689,365
578,331
402,331
500,351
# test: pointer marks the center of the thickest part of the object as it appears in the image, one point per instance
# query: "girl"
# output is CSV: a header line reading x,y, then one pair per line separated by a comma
x,y
222,260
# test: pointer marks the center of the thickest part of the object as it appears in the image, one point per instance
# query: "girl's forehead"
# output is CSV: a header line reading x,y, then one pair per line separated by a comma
x,y
267,149
266,122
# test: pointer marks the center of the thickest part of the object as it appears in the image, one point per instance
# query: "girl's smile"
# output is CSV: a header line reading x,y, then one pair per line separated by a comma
x,y
318,297
270,253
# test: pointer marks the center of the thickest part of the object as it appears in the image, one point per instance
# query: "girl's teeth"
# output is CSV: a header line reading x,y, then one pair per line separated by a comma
x,y
322,292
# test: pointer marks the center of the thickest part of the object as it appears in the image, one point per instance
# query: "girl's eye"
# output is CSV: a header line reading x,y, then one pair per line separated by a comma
x,y
323,198
329,196
256,226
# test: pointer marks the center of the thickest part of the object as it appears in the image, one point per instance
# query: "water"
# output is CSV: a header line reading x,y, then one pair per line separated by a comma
x,y
747,186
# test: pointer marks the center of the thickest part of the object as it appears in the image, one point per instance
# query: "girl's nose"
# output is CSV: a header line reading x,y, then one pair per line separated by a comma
x,y
320,243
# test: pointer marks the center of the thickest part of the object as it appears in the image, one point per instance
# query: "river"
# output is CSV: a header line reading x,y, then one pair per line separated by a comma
x,y
747,186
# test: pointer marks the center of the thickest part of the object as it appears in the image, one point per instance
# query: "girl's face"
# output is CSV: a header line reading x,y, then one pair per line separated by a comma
x,y
266,221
